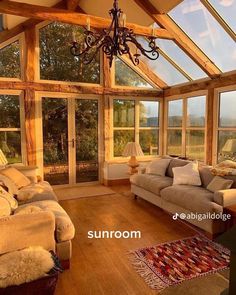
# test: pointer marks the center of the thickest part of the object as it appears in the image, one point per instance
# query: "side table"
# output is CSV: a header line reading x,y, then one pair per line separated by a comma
x,y
232,211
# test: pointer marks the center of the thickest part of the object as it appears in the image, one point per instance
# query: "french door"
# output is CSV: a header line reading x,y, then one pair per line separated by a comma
x,y
70,144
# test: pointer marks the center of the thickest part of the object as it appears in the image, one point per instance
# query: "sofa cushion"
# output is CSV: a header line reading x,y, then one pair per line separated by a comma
x,y
192,198
36,192
150,182
19,179
219,183
5,208
158,167
175,163
64,227
206,175
9,198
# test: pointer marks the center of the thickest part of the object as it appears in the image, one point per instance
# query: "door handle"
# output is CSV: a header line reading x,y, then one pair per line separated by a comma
x,y
73,142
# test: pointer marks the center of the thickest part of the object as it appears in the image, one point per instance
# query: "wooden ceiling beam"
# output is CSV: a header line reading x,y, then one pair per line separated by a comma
x,y
180,38
223,80
70,17
8,34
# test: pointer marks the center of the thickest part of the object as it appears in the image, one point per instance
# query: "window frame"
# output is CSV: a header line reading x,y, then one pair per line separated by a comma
x,y
37,65
184,128
136,127
22,130
21,39
216,128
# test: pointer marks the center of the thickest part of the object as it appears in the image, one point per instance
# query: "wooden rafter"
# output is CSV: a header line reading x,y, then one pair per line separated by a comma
x,y
7,34
180,38
70,17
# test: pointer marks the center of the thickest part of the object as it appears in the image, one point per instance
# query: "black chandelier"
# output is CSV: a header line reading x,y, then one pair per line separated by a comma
x,y
113,41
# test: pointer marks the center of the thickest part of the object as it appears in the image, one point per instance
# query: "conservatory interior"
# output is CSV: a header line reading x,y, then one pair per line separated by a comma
x,y
74,109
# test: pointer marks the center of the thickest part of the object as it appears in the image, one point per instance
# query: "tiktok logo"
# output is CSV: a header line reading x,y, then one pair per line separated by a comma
x,y
175,216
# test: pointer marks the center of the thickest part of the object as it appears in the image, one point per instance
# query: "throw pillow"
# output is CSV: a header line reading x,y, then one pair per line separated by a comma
x,y
9,184
188,175
219,183
9,198
158,167
5,208
17,177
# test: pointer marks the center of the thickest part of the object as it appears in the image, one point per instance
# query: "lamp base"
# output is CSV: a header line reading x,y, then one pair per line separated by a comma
x,y
133,164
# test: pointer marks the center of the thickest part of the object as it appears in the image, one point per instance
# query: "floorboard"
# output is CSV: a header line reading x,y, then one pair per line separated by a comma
x,y
101,266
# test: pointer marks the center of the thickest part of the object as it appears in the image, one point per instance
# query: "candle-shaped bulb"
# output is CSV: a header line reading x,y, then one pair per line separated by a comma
x,y
153,30
88,24
124,19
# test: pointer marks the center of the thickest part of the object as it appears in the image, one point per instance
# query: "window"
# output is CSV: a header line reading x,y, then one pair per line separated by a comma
x,y
10,61
198,23
125,76
227,126
10,128
56,61
186,127
136,120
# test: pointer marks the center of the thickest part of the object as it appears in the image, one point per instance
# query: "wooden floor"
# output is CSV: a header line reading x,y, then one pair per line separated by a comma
x,y
101,266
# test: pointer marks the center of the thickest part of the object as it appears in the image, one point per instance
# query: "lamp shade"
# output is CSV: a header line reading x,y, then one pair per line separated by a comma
x,y
132,149
230,146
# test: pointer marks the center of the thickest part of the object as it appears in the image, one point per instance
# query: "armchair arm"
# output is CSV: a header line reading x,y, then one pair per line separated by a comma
x,y
24,230
29,171
226,197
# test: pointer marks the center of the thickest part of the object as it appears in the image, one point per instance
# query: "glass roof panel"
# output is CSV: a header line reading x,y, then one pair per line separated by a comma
x,y
181,59
162,68
125,76
206,32
227,10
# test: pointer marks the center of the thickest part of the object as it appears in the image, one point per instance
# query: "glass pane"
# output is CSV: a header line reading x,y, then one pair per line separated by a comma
x,y
195,140
174,142
162,68
181,59
125,76
148,114
148,140
197,22
86,126
55,140
10,61
123,113
227,146
196,111
227,9
227,109
56,61
10,144
175,113
121,138
10,111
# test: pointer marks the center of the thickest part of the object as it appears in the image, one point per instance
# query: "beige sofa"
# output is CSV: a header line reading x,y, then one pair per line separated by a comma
x,y
185,198
45,224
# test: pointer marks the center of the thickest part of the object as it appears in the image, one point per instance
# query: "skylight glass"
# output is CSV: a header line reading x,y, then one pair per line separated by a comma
x,y
206,32
227,10
181,59
163,68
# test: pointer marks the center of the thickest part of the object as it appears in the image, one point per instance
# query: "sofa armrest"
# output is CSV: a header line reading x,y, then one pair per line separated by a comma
x,y
24,230
225,198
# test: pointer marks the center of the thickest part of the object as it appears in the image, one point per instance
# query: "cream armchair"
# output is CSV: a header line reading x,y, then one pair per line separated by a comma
x,y
38,220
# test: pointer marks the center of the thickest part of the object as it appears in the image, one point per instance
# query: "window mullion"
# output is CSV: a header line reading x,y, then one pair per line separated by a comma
x,y
136,120
184,127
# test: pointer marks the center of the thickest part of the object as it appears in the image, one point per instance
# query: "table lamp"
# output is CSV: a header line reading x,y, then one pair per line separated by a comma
x,y
133,150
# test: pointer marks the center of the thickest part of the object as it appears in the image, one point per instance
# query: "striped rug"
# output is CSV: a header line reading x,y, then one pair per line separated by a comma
x,y
172,263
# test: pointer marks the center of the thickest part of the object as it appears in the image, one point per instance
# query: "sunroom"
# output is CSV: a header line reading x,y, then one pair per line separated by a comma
x,y
71,119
